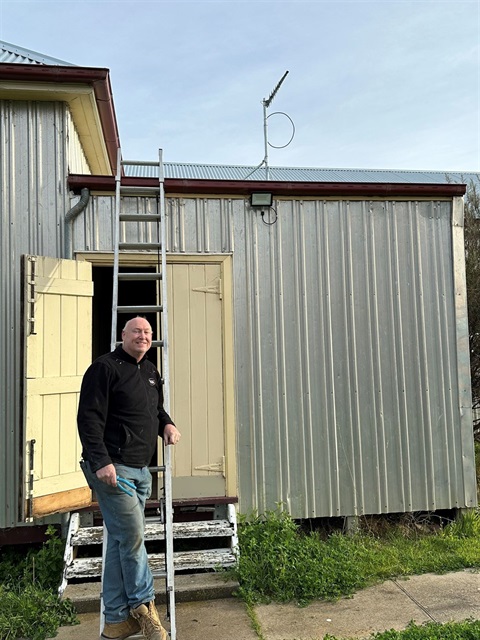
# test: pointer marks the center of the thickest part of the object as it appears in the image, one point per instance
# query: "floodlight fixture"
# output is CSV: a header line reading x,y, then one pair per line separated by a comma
x,y
261,199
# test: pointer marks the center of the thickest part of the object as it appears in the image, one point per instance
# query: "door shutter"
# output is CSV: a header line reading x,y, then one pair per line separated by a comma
x,y
57,350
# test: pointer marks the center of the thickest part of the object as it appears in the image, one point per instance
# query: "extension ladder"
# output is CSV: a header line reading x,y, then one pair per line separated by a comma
x,y
154,224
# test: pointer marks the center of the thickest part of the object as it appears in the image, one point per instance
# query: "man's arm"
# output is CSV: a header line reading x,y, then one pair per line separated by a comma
x,y
92,415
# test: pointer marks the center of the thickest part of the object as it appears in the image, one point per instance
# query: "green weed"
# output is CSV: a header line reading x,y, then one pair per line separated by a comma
x,y
468,630
29,605
279,562
34,613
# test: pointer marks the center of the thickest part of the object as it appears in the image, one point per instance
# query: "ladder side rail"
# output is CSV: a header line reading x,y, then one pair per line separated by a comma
x,y
170,569
113,337
116,252
163,238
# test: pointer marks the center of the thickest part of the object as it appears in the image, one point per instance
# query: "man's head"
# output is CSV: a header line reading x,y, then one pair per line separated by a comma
x,y
137,337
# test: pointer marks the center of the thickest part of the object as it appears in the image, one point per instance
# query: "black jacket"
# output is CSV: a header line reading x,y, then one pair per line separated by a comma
x,y
120,413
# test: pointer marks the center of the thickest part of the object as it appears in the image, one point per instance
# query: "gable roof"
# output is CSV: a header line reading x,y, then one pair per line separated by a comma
x,y
12,54
27,75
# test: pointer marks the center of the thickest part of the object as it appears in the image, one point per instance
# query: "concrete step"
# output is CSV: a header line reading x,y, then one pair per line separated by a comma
x,y
188,588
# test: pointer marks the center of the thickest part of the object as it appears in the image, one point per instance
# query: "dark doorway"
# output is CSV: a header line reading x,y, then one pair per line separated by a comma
x,y
131,293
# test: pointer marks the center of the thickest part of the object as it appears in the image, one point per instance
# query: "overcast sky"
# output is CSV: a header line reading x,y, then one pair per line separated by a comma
x,y
387,84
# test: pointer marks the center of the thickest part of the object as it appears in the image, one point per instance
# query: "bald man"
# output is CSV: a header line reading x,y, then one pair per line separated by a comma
x,y
120,417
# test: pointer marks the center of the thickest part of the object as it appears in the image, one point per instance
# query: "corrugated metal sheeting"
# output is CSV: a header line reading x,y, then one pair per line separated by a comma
x,y
297,174
351,394
34,179
348,398
12,54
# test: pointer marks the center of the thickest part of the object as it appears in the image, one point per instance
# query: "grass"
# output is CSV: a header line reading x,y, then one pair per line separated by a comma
x,y
279,562
29,605
468,630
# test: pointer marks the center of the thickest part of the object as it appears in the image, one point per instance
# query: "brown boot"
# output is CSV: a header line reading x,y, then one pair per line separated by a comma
x,y
120,630
147,616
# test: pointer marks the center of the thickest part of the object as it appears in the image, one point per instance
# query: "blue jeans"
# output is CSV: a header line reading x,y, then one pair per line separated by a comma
x,y
127,579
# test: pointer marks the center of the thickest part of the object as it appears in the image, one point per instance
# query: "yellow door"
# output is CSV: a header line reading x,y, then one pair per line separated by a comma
x,y
197,381
58,323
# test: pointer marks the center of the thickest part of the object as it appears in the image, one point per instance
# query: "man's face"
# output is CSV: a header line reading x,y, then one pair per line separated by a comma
x,y
137,338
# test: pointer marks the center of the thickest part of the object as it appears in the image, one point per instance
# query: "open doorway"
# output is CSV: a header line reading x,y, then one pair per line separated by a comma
x,y
132,293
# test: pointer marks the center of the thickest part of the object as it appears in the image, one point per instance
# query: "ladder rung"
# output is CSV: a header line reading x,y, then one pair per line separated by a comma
x,y
139,309
140,276
159,574
140,217
155,344
140,246
138,191
140,163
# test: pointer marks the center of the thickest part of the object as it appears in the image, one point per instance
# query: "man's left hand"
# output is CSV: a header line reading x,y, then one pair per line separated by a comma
x,y
171,435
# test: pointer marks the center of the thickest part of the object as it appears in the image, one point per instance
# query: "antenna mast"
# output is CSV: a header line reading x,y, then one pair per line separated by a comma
x,y
266,103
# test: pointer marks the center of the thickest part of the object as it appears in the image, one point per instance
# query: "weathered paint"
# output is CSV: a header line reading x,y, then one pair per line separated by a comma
x,y
58,346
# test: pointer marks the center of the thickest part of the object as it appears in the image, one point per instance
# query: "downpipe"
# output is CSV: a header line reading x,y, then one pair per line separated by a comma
x,y
70,217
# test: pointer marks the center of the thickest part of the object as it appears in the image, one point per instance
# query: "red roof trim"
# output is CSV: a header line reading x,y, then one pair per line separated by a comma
x,y
239,187
98,78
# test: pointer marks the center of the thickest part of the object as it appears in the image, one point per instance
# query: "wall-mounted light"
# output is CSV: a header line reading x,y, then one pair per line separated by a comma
x,y
261,199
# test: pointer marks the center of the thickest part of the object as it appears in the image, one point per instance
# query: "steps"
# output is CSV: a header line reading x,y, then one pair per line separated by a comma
x,y
207,545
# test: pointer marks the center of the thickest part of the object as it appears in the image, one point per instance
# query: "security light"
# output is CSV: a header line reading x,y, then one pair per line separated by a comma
x,y
261,199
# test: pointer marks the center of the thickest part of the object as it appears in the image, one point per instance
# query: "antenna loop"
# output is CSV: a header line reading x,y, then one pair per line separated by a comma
x,y
282,113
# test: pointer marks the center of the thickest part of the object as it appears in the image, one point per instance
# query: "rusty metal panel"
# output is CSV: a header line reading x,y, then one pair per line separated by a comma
x,y
33,203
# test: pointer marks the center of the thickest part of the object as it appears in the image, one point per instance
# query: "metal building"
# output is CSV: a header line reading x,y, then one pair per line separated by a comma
x,y
319,346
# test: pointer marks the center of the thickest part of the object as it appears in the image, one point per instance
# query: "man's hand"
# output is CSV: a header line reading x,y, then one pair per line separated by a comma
x,y
107,474
171,435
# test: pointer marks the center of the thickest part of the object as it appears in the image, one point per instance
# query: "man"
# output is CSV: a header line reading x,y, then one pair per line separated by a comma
x,y
120,417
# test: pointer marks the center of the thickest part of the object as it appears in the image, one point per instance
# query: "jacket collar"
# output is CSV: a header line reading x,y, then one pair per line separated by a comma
x,y
123,355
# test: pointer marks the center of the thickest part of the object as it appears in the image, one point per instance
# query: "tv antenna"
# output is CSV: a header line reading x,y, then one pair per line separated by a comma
x,y
266,103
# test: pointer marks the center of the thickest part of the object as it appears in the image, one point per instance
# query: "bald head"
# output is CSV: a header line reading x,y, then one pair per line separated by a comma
x,y
137,337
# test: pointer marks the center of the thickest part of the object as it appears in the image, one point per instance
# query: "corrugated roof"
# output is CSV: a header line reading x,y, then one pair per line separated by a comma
x,y
298,174
12,54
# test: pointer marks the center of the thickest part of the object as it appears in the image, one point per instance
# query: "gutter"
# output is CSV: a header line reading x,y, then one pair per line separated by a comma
x,y
292,189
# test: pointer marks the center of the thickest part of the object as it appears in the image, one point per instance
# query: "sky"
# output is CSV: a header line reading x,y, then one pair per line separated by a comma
x,y
385,84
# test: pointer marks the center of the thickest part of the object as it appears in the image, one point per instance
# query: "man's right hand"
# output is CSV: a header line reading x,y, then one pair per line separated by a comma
x,y
107,474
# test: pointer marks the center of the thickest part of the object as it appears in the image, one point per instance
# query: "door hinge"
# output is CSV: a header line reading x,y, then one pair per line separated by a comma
x,y
30,479
214,467
31,293
215,288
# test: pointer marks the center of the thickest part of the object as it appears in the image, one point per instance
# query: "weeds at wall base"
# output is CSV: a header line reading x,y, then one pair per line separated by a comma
x,y
280,562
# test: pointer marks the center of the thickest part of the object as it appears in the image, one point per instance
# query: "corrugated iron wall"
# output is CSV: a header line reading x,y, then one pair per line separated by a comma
x,y
349,364
351,395
33,205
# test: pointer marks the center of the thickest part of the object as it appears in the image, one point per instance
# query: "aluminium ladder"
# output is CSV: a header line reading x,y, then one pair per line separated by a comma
x,y
156,224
